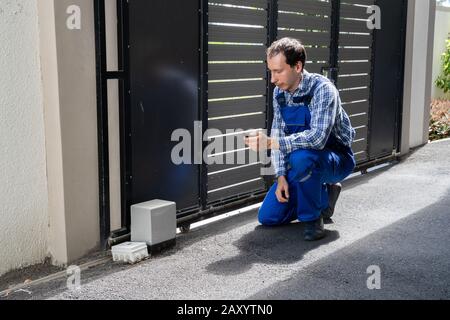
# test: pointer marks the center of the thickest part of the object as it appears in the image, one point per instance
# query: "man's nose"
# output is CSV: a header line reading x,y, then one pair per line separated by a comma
x,y
272,79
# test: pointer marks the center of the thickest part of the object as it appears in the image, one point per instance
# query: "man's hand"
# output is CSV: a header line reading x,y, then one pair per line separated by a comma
x,y
282,192
260,142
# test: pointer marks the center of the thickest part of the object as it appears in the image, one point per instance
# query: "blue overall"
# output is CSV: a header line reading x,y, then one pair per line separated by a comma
x,y
309,171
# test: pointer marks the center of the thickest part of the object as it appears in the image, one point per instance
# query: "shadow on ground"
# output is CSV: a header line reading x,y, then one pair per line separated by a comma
x,y
269,245
413,255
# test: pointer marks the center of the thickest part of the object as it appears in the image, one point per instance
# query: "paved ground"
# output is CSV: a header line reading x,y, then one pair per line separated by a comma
x,y
396,218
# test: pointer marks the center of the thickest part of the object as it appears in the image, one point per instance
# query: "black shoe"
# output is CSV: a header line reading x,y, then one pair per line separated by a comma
x,y
314,230
333,194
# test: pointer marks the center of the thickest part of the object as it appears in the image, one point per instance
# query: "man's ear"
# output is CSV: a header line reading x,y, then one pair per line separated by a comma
x,y
299,67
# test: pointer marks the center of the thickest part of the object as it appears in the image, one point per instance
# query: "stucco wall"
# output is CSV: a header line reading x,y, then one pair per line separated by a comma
x,y
23,186
420,86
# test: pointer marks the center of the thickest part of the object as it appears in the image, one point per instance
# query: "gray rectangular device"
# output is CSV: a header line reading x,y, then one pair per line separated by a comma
x,y
154,222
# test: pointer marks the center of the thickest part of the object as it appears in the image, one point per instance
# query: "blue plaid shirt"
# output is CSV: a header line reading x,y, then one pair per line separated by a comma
x,y
327,115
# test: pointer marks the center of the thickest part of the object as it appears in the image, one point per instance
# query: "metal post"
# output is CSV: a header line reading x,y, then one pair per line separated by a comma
x,y
102,122
272,32
334,44
124,112
203,92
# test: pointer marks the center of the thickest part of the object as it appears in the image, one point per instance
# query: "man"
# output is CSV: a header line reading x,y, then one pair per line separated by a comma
x,y
310,143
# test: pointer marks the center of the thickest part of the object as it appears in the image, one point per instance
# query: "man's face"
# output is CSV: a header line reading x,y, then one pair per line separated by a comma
x,y
284,76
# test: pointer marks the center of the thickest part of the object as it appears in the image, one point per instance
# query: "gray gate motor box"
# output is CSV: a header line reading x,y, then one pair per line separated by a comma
x,y
155,223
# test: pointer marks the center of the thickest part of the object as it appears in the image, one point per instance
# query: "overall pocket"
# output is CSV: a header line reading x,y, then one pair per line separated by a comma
x,y
295,118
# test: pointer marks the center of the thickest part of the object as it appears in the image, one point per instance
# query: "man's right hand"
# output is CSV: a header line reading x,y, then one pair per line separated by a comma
x,y
282,192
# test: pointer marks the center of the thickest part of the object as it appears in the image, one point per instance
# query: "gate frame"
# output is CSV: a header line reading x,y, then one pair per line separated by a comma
x,y
203,210
122,75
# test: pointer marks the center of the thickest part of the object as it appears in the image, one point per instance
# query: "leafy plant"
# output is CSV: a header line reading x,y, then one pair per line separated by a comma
x,y
443,81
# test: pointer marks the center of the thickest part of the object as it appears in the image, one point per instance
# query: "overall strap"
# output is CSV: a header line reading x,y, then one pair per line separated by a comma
x,y
281,99
306,99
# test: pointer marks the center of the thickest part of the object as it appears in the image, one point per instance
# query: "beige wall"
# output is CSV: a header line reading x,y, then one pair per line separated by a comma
x,y
418,73
68,67
78,116
420,85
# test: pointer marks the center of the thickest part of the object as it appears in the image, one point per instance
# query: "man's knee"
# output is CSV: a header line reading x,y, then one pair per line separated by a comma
x,y
269,218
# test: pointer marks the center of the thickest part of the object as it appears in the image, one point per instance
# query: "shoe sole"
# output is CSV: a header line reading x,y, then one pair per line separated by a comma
x,y
316,238
328,212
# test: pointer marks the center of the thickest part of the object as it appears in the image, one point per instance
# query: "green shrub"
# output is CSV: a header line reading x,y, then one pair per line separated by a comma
x,y
443,81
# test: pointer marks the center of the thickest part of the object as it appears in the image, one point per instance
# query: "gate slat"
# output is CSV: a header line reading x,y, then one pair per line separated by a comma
x,y
354,26
223,71
246,188
355,95
355,108
360,120
236,89
220,14
353,82
317,54
355,40
294,21
314,67
305,6
307,38
355,54
359,146
248,3
361,133
352,11
361,2
354,67
233,176
232,159
230,107
245,123
236,34
219,167
236,53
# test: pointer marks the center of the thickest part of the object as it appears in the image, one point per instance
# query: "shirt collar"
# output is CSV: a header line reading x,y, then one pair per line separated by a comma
x,y
303,86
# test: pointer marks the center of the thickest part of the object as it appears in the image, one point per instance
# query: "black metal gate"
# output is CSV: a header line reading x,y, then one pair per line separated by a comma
x,y
199,65
237,90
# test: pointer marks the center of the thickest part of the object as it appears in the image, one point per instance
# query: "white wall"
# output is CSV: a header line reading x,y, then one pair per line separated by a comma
x,y
23,186
442,31
419,73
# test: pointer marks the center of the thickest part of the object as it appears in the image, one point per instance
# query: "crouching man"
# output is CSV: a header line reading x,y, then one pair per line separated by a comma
x,y
310,143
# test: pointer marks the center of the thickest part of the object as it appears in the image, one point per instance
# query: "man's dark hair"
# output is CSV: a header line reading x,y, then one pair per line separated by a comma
x,y
292,49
